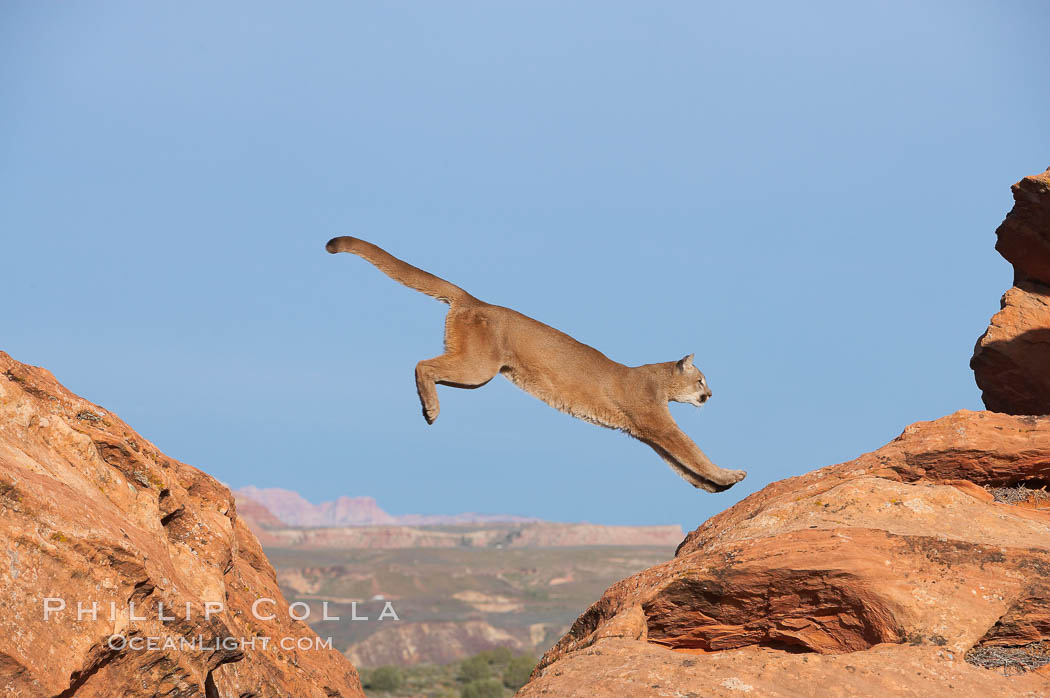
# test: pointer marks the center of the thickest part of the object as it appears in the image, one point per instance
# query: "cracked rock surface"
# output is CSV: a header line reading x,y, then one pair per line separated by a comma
x,y
93,513
872,577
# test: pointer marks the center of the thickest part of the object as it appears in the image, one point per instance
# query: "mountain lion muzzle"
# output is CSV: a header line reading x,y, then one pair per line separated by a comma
x,y
482,340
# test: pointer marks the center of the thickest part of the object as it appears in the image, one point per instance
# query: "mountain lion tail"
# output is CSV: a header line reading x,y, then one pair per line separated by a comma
x,y
399,271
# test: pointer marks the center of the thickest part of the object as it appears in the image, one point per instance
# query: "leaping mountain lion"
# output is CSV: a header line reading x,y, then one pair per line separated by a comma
x,y
482,340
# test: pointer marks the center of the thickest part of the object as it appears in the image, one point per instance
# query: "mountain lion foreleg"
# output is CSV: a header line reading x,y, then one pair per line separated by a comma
x,y
686,458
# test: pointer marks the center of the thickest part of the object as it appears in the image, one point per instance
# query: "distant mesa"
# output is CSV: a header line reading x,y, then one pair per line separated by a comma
x,y
289,508
283,518
256,515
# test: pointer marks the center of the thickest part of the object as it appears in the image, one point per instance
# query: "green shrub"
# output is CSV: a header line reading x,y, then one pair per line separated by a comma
x,y
518,670
474,669
483,688
537,594
497,655
385,678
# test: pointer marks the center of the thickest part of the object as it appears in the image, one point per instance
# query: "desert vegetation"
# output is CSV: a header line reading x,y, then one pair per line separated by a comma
x,y
494,673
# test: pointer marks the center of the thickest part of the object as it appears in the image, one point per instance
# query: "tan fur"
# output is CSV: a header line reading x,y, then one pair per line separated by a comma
x,y
483,340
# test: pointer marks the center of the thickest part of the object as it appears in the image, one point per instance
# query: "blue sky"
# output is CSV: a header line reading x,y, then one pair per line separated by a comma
x,y
804,196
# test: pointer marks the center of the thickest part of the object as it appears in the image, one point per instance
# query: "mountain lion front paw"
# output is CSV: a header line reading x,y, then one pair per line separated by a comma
x,y
727,478
738,475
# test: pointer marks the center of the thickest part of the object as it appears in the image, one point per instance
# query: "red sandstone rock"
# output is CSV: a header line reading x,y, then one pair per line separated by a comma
x,y
91,512
1024,237
1011,361
872,577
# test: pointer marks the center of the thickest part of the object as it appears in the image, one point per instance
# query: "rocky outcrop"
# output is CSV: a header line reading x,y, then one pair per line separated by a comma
x,y
872,577
118,539
920,569
1011,361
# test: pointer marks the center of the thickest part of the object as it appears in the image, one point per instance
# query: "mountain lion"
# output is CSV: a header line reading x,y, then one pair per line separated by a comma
x,y
482,340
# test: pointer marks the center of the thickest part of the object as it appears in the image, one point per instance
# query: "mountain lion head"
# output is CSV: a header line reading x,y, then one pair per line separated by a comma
x,y
688,383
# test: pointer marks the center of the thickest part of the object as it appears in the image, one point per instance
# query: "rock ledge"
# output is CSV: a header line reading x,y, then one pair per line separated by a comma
x,y
872,577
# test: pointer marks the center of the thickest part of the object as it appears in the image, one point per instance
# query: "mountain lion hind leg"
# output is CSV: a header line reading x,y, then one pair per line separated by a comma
x,y
470,360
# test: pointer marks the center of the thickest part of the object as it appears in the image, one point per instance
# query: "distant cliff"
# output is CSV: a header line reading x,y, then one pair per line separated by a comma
x,y
292,509
284,518
530,535
95,519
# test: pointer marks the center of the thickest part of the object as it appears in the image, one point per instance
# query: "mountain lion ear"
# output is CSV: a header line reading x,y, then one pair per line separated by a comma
x,y
685,364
